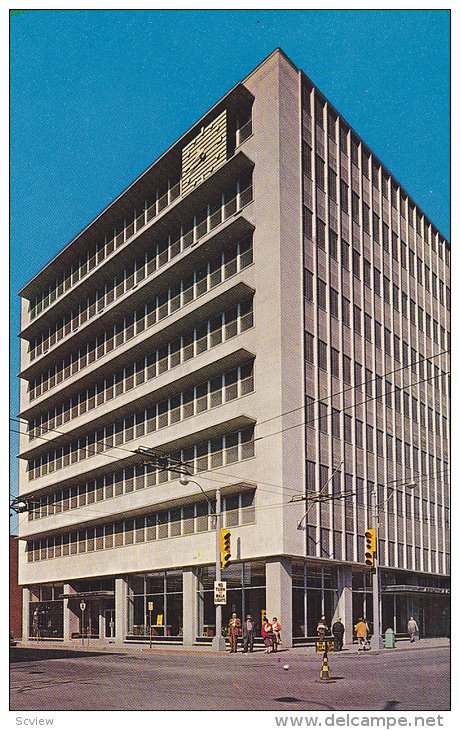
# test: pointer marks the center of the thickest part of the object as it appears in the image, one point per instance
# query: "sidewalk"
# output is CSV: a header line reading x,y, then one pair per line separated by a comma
x,y
403,645
143,650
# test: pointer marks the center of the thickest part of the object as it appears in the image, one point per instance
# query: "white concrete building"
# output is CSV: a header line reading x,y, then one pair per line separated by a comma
x,y
266,304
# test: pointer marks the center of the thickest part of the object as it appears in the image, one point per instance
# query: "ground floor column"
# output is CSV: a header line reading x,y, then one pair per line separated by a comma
x,y
102,628
279,595
344,609
189,615
25,613
68,614
121,610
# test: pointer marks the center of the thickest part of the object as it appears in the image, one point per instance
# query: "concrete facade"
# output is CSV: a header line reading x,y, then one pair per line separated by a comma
x,y
247,308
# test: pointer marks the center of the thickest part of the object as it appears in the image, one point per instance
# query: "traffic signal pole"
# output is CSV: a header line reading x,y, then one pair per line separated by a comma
x,y
376,639
218,642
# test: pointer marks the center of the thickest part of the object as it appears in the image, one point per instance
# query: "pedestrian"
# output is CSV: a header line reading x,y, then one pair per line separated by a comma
x,y
276,626
362,630
234,629
267,635
248,634
412,628
322,628
338,630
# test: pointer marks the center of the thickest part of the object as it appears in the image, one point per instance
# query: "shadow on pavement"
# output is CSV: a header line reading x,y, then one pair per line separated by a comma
x,y
22,654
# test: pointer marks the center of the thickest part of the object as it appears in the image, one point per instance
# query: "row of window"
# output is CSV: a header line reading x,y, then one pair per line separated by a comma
x,y
219,209
198,282
363,270
405,556
113,484
235,260
426,369
238,509
317,415
210,454
328,299
326,120
153,259
327,181
205,336
214,392
392,500
437,286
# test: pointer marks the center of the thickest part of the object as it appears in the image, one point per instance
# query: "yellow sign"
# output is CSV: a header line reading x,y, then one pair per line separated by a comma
x,y
321,646
159,619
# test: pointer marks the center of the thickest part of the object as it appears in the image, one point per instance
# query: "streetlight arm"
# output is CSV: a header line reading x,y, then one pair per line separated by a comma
x,y
185,480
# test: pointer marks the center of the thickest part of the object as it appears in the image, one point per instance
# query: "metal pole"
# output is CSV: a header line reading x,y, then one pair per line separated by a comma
x,y
376,640
218,642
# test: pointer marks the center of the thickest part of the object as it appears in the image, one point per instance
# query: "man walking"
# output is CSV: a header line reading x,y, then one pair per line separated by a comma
x,y
412,628
248,634
338,630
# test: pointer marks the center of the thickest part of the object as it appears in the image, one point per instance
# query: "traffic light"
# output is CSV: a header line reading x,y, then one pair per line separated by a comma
x,y
225,548
370,548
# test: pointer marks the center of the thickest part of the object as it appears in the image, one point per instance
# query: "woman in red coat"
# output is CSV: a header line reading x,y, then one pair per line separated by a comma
x,y
267,636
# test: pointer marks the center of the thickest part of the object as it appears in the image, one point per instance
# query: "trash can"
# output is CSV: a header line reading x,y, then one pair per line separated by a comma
x,y
389,639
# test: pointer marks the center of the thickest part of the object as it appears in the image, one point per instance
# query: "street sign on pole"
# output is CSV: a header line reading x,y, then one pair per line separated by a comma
x,y
82,608
220,592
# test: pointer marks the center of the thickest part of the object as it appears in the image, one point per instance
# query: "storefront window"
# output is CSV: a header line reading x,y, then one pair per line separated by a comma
x,y
362,597
245,594
314,594
155,606
46,612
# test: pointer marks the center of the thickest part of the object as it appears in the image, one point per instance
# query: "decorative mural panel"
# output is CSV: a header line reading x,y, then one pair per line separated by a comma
x,y
205,154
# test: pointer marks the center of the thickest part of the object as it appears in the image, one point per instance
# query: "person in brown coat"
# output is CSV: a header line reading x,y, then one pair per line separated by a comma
x,y
234,630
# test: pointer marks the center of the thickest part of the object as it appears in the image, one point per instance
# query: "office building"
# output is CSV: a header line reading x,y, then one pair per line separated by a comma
x,y
267,305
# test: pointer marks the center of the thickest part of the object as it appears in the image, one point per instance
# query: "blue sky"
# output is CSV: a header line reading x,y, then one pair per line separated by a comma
x,y
97,96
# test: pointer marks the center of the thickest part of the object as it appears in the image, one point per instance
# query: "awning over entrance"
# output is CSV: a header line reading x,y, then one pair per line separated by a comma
x,y
416,589
89,595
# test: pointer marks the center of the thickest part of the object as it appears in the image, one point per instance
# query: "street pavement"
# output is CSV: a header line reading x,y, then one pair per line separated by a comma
x,y
415,677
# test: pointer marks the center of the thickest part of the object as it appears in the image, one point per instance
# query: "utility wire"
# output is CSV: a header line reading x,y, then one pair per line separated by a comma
x,y
355,405
275,505
130,451
321,400
257,438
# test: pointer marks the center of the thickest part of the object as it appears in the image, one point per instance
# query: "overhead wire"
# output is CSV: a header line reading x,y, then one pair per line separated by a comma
x,y
320,400
257,438
275,505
